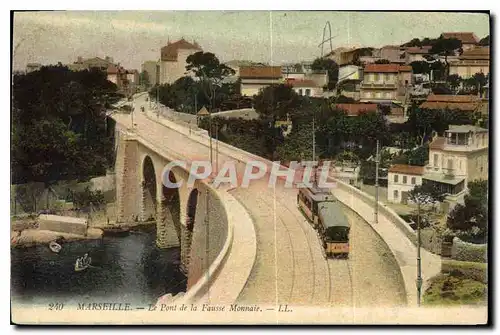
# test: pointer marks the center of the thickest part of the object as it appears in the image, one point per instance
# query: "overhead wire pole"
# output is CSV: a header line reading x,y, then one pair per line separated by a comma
x,y
419,261
377,162
314,149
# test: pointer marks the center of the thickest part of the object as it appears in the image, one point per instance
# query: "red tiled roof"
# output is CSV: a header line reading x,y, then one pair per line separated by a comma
x,y
170,51
356,109
260,72
452,98
302,83
391,68
476,53
465,37
461,106
407,169
437,143
417,50
112,69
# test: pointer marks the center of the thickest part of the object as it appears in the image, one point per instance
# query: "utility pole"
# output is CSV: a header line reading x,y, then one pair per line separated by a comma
x,y
377,162
210,137
132,116
314,150
158,101
217,146
207,242
419,262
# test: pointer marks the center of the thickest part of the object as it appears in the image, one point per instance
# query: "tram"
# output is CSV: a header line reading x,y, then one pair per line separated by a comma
x,y
324,213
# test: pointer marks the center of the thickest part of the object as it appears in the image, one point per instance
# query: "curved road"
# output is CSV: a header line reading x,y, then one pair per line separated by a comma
x,y
290,267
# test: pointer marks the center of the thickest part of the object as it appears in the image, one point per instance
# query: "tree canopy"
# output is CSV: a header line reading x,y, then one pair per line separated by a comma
x,y
59,124
207,65
322,64
210,73
485,41
470,220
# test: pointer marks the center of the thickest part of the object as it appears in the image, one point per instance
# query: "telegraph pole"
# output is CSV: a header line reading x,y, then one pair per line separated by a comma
x,y
217,146
314,149
419,262
377,162
210,137
158,101
207,242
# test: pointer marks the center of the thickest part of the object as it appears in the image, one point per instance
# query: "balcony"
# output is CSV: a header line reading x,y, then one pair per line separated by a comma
x,y
378,84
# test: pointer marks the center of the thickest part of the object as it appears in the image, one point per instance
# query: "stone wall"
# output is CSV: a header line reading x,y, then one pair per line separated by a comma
x,y
199,258
62,224
463,251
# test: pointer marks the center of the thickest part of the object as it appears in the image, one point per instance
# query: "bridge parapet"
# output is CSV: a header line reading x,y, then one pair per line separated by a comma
x,y
228,273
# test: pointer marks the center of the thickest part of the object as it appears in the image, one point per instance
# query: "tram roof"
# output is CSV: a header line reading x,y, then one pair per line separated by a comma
x,y
318,194
332,215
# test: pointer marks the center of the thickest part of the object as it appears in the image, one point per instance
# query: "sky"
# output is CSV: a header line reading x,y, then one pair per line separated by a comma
x,y
132,37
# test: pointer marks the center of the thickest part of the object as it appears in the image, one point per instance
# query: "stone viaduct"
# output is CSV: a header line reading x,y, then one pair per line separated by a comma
x,y
180,213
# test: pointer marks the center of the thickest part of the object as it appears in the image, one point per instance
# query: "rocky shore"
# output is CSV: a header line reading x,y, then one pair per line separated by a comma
x,y
25,233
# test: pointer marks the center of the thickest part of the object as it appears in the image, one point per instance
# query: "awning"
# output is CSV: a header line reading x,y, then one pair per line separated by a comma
x,y
441,178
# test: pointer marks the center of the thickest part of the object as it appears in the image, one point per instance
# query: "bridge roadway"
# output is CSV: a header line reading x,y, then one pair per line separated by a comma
x,y
290,266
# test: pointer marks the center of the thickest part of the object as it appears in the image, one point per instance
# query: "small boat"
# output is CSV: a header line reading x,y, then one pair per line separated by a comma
x,y
82,263
55,247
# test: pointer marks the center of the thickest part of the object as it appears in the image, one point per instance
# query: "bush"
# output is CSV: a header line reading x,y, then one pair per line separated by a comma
x,y
471,270
88,197
463,251
447,289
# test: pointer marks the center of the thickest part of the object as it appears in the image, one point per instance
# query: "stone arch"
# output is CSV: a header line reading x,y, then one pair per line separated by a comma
x,y
149,190
169,214
191,207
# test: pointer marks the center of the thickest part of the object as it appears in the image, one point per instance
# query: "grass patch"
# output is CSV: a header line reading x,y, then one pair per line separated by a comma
x,y
454,289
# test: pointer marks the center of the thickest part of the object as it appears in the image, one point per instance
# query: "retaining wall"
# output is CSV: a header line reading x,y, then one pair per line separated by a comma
x,y
63,224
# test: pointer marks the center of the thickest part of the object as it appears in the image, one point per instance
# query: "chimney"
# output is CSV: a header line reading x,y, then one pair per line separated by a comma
x,y
80,59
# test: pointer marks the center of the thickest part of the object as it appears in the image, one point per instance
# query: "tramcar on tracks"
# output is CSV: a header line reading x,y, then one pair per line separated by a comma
x,y
324,213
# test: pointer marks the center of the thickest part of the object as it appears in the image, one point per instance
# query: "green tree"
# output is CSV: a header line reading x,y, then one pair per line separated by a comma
x,y
144,79
446,47
275,102
418,156
209,71
485,41
297,146
382,61
470,220
322,64
59,124
420,67
415,42
454,80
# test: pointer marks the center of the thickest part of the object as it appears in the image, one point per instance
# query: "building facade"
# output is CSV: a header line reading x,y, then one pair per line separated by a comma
x,y
255,78
92,63
152,70
463,103
402,179
173,60
416,54
386,83
457,158
472,61
30,67
469,40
